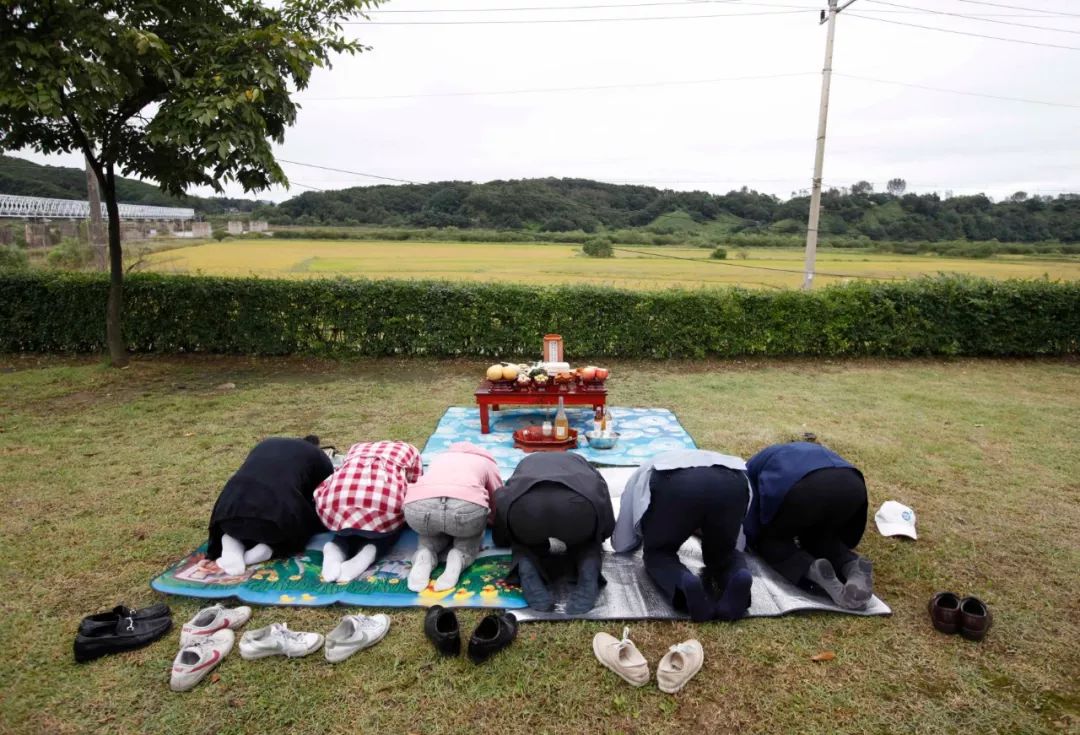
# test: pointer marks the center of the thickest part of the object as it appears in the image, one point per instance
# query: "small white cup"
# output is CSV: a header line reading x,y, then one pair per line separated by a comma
x,y
546,428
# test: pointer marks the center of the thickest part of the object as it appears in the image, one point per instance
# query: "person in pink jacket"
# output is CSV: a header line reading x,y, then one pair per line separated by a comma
x,y
450,504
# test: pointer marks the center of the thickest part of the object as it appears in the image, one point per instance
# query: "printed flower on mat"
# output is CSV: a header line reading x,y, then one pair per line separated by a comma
x,y
429,594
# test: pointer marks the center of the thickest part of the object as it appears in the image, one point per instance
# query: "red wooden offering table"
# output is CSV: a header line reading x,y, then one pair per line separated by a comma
x,y
491,395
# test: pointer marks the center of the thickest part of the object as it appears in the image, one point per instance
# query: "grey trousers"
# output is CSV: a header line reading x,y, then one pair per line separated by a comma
x,y
440,521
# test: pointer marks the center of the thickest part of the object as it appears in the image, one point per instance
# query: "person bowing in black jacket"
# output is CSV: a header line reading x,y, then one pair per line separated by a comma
x,y
266,509
560,496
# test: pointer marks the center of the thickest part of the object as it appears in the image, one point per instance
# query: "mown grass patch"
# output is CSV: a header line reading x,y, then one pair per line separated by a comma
x,y
108,476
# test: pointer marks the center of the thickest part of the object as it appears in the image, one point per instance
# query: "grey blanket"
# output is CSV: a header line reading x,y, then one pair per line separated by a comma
x,y
631,595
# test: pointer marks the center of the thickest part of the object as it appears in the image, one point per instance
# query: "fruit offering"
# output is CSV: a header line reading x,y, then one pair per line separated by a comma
x,y
503,372
591,373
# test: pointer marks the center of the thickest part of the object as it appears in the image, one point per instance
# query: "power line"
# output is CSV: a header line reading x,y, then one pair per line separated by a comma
x,y
687,82
961,92
345,171
964,33
754,267
1015,7
591,88
972,17
669,3
681,3
569,20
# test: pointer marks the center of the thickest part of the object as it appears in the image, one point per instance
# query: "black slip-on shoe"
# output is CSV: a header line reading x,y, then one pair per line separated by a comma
x,y
944,609
125,634
494,633
441,628
975,618
109,619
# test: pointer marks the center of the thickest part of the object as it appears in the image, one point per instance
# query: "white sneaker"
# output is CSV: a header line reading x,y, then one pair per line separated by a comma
x,y
355,633
211,619
622,657
196,660
679,665
277,639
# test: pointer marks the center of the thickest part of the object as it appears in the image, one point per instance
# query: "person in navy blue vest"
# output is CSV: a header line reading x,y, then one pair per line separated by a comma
x,y
807,515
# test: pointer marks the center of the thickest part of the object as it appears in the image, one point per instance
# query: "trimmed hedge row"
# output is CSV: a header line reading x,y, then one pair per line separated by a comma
x,y
50,312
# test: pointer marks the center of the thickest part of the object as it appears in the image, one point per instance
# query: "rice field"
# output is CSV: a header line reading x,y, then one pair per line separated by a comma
x,y
633,267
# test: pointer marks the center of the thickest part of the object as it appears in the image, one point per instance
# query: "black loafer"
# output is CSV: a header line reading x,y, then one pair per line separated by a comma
x,y
126,634
108,620
494,633
441,628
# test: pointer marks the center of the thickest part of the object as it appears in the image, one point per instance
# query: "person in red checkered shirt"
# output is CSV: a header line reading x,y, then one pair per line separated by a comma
x,y
362,504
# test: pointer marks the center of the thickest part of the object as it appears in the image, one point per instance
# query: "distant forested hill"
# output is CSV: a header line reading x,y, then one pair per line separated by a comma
x,y
564,205
25,178
558,205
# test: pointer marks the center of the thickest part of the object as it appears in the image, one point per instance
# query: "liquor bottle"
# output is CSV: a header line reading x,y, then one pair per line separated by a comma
x,y
598,421
562,424
609,424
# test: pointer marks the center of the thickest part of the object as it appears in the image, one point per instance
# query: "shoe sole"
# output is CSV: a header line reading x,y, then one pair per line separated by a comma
x,y
618,673
685,680
356,650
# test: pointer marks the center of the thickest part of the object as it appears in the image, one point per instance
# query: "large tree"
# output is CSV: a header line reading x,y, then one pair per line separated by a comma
x,y
181,93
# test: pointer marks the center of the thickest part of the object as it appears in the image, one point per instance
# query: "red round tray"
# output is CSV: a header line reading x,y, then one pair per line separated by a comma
x,y
532,439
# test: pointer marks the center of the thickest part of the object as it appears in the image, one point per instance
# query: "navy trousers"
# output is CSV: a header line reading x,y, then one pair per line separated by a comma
x,y
709,500
817,515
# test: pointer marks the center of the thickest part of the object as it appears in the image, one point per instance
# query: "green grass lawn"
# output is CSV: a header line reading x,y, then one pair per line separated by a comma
x,y
108,476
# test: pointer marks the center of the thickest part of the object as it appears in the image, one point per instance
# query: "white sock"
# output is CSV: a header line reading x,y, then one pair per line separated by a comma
x,y
352,569
257,553
332,556
455,562
423,562
232,556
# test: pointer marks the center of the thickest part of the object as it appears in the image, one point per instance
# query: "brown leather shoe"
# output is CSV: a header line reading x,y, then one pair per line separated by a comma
x,y
975,618
944,610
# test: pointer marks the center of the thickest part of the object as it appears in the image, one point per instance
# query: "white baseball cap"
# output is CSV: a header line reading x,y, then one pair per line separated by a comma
x,y
895,519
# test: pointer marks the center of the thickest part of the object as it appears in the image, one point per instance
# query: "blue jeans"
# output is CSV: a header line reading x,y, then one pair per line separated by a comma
x,y
442,521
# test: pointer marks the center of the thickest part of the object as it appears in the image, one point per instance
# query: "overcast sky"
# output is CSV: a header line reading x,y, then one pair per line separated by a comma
x,y
376,113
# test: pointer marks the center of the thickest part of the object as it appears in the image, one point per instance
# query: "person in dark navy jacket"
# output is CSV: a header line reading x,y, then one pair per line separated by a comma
x,y
807,515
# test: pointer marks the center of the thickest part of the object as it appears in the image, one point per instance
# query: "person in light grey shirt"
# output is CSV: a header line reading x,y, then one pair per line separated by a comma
x,y
673,496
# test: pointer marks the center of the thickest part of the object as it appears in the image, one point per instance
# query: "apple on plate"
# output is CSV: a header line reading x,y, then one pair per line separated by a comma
x,y
602,373
588,373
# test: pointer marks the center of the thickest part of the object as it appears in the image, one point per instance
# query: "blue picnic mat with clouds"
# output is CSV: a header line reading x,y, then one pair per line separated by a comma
x,y
643,432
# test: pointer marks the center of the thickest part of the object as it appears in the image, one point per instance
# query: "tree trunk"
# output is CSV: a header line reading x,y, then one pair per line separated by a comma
x,y
114,334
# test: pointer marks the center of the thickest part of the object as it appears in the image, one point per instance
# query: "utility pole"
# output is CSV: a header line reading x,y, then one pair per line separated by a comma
x,y
819,157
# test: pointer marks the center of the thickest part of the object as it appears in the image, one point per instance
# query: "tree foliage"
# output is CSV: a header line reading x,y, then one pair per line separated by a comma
x,y
184,93
598,247
547,206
